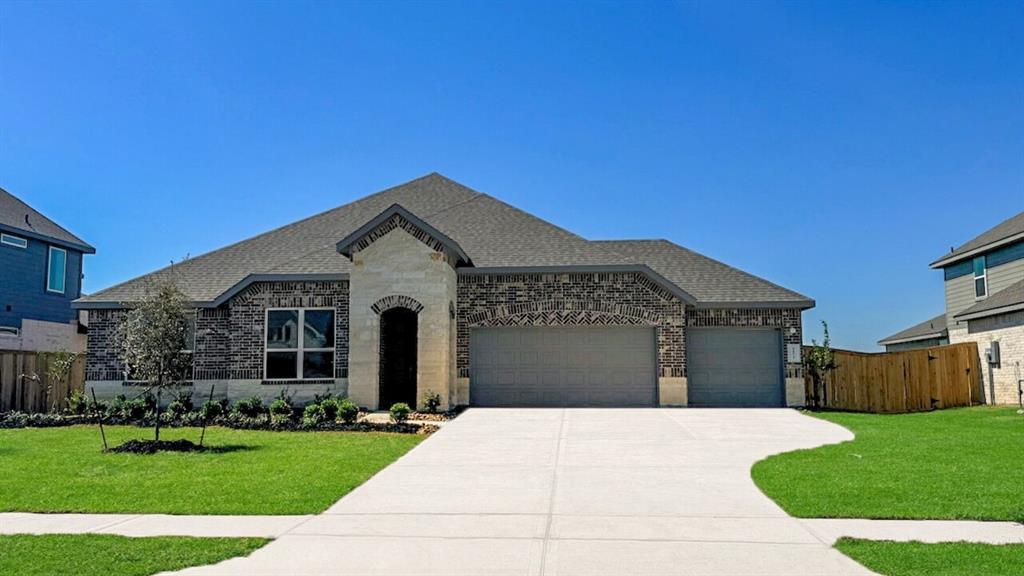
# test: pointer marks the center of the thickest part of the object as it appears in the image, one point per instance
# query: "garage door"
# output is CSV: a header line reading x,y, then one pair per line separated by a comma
x,y
734,367
562,366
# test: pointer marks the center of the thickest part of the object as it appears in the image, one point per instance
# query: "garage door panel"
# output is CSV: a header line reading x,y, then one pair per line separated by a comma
x,y
563,366
734,367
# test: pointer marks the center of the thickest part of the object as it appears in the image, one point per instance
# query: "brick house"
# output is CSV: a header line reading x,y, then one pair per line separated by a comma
x,y
433,287
984,286
40,275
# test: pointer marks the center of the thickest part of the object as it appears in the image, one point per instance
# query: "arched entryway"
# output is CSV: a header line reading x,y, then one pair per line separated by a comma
x,y
398,328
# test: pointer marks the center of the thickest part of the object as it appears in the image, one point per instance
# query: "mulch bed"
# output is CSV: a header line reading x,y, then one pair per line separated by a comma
x,y
154,446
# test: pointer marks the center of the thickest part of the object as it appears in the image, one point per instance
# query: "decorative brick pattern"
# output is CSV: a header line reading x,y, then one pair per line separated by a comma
x,y
399,222
396,301
247,317
625,298
786,319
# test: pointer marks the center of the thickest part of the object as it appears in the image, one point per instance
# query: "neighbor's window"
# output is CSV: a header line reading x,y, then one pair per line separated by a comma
x,y
56,270
980,278
16,241
300,343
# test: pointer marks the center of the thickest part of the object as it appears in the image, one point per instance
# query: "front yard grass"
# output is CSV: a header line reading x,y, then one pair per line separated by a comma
x,y
945,559
963,463
250,472
106,555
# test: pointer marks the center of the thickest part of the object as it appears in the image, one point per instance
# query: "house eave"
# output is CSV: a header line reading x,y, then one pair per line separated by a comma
x,y
83,248
949,260
992,312
919,338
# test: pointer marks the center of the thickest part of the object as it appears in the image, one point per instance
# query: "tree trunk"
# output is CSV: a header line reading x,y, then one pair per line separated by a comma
x,y
159,388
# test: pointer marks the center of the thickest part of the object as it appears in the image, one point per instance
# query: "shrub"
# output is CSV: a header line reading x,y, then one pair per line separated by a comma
x,y
431,401
347,410
176,409
134,409
250,407
212,409
77,402
280,411
148,402
330,406
312,415
400,412
184,397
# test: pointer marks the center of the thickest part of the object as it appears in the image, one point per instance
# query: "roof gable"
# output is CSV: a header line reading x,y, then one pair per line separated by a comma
x,y
397,217
18,217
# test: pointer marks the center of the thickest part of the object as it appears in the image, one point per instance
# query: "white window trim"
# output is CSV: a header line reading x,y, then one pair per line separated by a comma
x,y
15,241
300,337
49,258
10,331
984,277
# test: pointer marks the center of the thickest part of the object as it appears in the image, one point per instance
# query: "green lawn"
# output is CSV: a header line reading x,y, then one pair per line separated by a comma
x,y
946,559
104,555
964,463
252,472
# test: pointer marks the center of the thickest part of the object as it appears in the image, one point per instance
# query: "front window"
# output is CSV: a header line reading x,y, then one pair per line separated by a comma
x,y
299,344
980,278
56,270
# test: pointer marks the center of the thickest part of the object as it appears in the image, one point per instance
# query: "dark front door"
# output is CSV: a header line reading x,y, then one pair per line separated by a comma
x,y
397,357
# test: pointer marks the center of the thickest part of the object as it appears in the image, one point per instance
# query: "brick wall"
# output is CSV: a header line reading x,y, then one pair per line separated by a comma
x,y
247,316
229,339
571,299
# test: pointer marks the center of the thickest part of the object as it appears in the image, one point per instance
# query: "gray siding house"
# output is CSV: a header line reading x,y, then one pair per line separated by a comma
x,y
40,275
984,287
431,286
929,333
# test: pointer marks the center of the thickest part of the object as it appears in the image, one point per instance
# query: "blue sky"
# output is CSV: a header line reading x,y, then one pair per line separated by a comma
x,y
833,148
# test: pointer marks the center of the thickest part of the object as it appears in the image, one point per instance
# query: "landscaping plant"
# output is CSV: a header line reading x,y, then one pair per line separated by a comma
x,y
152,339
348,411
400,412
819,361
431,401
312,415
59,369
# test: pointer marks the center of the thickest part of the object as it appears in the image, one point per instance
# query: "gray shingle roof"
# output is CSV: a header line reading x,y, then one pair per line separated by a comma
x,y
1008,298
492,233
711,282
18,216
1010,227
934,328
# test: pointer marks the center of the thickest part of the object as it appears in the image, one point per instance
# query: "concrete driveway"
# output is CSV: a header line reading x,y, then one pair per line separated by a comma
x,y
567,492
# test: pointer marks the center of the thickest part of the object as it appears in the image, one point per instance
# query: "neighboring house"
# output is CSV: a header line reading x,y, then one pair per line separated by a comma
x,y
40,275
984,283
432,286
924,335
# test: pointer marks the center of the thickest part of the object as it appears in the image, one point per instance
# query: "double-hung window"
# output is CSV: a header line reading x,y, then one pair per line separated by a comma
x,y
980,278
56,270
299,344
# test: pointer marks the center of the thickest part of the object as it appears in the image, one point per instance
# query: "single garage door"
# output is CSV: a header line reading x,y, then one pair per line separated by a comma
x,y
734,367
562,366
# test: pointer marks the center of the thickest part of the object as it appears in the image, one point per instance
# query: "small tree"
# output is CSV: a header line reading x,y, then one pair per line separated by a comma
x,y
59,369
819,361
152,339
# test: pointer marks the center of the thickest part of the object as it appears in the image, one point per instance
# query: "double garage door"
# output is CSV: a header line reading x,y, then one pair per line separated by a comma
x,y
616,366
563,366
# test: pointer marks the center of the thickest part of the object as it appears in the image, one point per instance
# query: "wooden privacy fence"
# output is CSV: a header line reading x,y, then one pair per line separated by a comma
x,y
27,394
904,381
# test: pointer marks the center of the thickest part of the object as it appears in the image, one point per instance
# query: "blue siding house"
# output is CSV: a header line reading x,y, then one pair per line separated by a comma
x,y
40,274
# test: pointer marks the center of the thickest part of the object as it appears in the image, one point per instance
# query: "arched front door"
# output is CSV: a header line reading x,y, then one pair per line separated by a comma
x,y
398,357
